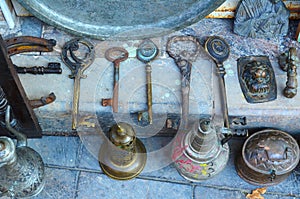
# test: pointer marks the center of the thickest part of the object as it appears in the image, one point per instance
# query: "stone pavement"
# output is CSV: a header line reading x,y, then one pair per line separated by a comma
x,y
72,170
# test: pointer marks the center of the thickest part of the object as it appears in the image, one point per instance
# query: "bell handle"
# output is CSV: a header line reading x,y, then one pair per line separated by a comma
x,y
21,138
226,139
227,132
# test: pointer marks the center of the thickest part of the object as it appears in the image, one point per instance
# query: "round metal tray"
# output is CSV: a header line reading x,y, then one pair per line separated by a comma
x,y
131,19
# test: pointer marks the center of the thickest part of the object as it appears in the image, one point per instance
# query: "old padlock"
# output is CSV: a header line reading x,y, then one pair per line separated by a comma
x,y
21,167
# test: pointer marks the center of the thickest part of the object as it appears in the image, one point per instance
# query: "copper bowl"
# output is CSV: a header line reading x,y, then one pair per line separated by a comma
x,y
268,157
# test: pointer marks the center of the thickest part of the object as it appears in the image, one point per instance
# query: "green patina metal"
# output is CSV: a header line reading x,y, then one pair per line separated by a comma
x,y
132,19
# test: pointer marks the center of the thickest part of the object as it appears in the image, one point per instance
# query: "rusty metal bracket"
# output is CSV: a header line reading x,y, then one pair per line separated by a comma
x,y
23,44
43,101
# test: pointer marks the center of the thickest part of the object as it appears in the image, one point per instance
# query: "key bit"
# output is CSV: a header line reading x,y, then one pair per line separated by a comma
x,y
77,66
115,55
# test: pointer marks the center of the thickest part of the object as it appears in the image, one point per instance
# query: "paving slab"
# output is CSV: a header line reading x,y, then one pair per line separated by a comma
x,y
87,160
93,185
57,150
60,184
212,193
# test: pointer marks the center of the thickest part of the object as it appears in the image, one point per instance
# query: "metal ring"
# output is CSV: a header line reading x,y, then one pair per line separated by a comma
x,y
147,51
121,57
217,48
190,56
73,45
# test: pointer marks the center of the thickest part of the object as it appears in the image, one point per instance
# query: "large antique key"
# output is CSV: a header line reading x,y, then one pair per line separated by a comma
x,y
77,64
146,52
115,55
218,50
184,50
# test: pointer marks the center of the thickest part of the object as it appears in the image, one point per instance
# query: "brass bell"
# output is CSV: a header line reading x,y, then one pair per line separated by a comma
x,y
198,154
123,156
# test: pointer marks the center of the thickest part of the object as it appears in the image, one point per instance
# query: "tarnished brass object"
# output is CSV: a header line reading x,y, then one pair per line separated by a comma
x,y
218,49
123,156
257,79
288,62
146,52
77,65
198,154
261,18
21,168
184,50
268,157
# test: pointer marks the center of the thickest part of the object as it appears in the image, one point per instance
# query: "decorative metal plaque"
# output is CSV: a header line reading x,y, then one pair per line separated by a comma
x,y
257,79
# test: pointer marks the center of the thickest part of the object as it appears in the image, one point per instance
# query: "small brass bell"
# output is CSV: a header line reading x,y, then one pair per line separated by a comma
x,y
198,154
123,156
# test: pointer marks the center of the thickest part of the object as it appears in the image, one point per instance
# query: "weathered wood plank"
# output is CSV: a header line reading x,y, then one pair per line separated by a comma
x,y
227,9
16,96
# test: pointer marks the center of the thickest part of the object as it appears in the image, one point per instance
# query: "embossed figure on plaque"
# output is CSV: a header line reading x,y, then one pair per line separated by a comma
x,y
257,79
261,18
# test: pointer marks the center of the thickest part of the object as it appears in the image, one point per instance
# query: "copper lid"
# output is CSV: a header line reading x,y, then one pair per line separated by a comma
x,y
271,151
